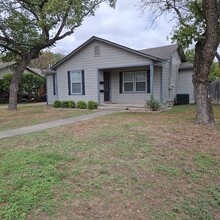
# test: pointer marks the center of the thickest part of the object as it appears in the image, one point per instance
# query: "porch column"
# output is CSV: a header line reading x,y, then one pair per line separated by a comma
x,y
152,79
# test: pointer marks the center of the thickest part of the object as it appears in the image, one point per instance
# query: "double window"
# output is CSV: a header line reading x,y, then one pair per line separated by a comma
x,y
135,81
76,82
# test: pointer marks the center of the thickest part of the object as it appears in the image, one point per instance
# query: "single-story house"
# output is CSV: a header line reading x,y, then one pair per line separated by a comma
x,y
8,67
106,72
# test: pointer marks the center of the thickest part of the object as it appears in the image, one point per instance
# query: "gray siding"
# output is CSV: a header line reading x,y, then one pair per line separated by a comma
x,y
185,84
170,78
110,57
50,96
174,75
165,80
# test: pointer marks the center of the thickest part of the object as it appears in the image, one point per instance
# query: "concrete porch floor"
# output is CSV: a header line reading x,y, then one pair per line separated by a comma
x,y
123,107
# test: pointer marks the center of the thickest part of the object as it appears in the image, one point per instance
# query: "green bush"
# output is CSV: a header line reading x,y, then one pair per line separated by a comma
x,y
65,104
153,103
57,104
81,105
72,104
92,105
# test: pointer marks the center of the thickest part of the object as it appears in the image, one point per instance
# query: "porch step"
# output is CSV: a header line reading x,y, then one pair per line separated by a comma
x,y
124,107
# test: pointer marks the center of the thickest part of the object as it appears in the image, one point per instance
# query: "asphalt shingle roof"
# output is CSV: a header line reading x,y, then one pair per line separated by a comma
x,y
163,52
185,65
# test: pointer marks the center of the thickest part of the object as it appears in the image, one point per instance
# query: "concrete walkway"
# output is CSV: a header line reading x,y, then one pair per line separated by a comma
x,y
52,124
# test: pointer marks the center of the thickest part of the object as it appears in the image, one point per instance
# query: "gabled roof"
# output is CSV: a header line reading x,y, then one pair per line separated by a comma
x,y
165,52
36,71
149,56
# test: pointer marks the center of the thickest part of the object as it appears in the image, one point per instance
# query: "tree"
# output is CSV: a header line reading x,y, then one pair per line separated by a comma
x,y
215,69
29,26
46,60
197,21
190,55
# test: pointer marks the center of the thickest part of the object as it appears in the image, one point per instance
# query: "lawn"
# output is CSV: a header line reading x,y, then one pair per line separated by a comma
x,y
121,166
34,114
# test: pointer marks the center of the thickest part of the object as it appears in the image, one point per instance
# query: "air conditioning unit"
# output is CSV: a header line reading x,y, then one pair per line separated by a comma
x,y
182,99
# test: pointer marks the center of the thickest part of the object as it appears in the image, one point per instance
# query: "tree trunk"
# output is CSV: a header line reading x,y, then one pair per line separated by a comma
x,y
205,51
14,87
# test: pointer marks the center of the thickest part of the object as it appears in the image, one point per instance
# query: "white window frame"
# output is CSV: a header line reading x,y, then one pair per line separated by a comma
x,y
135,81
80,81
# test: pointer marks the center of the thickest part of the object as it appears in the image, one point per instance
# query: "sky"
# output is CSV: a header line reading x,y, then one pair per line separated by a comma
x,y
125,25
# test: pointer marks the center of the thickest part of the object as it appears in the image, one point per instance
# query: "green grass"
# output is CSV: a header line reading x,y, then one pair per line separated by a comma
x,y
26,179
125,166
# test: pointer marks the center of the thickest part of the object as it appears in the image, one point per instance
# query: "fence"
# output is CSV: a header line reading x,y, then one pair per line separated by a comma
x,y
215,91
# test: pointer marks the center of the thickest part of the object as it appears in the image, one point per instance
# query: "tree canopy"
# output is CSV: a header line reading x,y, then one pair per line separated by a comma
x,y
46,60
29,26
32,25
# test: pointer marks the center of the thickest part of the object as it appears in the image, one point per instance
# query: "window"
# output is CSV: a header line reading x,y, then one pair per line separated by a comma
x,y
76,82
135,81
140,79
128,82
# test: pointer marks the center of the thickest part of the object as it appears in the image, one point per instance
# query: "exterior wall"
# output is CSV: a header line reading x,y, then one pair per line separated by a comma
x,y
165,80
50,96
133,98
185,84
170,78
174,75
110,57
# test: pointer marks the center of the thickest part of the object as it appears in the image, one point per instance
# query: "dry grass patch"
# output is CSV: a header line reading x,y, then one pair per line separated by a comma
x,y
34,114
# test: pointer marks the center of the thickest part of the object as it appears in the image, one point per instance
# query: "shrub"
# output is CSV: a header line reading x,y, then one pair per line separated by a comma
x,y
57,104
81,105
92,105
65,104
153,103
72,104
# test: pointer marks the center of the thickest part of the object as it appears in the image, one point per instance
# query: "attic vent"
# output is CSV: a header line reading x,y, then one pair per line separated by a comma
x,y
96,51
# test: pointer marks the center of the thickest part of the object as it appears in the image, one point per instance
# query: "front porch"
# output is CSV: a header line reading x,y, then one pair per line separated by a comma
x,y
129,86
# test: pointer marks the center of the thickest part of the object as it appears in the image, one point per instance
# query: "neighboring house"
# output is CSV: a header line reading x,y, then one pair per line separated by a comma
x,y
104,71
9,68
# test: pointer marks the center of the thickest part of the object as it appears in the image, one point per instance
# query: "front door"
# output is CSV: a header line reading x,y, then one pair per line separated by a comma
x,y
106,86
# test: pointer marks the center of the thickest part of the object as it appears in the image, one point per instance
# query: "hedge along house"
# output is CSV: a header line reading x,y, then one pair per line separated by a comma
x,y
107,72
